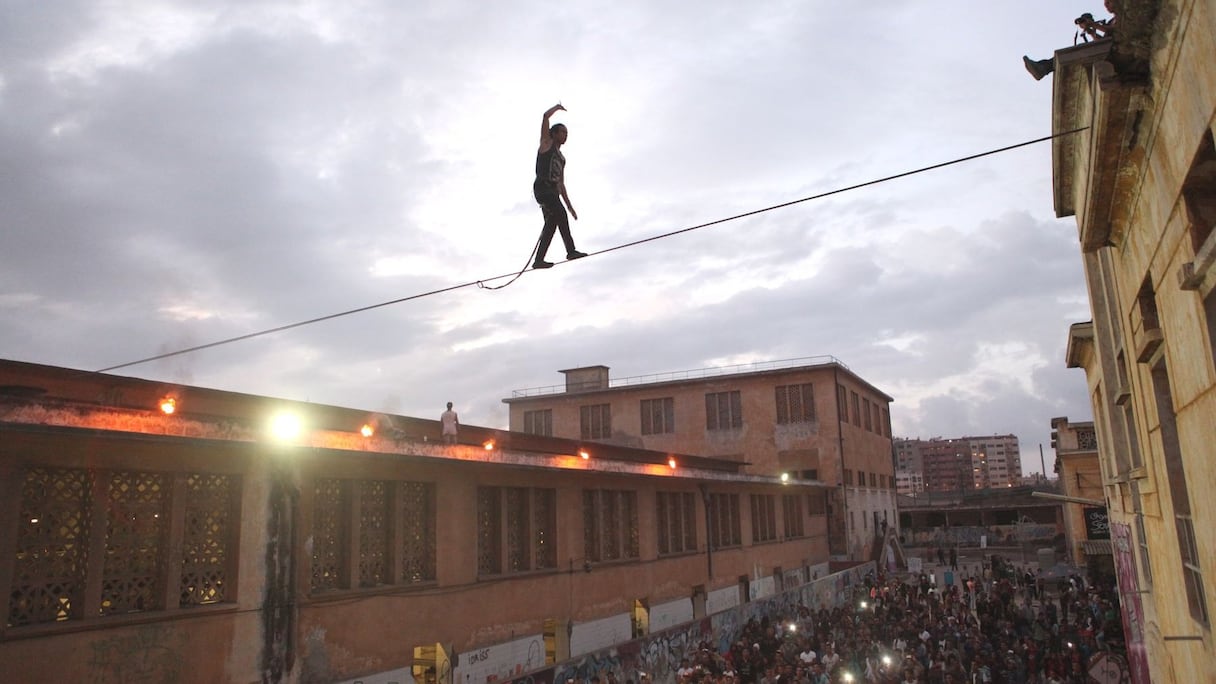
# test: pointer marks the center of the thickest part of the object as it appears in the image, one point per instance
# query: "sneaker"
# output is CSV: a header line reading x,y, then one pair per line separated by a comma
x,y
570,256
541,263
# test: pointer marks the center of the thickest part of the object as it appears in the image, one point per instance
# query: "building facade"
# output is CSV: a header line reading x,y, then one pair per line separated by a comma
x,y
156,532
809,419
1086,524
1135,164
909,482
960,464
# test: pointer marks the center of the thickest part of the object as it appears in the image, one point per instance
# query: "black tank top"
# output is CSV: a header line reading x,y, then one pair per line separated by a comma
x,y
550,167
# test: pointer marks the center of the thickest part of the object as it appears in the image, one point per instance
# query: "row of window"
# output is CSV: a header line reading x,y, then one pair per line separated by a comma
x,y
93,543
865,414
723,411
517,524
874,481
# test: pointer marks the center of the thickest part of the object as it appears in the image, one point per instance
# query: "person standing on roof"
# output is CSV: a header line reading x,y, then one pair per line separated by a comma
x,y
451,423
549,189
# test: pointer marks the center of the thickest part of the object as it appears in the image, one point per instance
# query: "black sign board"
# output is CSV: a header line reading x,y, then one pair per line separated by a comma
x,y
1097,525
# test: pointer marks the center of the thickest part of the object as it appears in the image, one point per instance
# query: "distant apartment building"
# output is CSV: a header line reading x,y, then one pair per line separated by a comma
x,y
909,483
808,419
959,464
907,456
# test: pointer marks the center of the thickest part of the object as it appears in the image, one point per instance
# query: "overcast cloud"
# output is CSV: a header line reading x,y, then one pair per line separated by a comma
x,y
177,173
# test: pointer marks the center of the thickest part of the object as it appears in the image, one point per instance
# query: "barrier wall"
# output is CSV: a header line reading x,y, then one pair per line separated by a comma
x,y
659,654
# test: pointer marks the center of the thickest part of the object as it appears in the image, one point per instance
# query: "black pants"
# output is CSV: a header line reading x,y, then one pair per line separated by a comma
x,y
556,218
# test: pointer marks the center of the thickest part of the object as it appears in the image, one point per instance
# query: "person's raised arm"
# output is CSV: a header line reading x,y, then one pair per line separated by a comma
x,y
545,139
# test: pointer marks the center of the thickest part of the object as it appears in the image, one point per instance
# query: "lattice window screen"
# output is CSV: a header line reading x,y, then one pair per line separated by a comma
x,y
327,535
373,533
418,519
206,536
131,579
51,554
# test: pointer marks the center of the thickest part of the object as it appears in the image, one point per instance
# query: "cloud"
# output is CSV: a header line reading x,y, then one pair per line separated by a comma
x,y
177,175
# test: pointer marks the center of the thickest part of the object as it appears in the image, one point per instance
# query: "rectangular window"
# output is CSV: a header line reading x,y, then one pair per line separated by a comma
x,y
658,416
723,410
595,421
856,409
791,508
610,524
1142,544
873,481
865,414
724,526
393,541
164,542
1192,573
677,522
795,404
848,477
764,518
886,423
416,503
539,422
842,404
516,530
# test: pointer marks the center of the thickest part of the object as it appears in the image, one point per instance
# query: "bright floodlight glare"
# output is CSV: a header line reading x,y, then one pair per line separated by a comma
x,y
583,453
489,445
672,462
367,430
785,477
285,426
848,677
886,660
168,405
864,605
793,627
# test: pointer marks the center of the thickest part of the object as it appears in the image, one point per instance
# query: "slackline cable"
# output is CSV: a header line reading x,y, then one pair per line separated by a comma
x,y
514,276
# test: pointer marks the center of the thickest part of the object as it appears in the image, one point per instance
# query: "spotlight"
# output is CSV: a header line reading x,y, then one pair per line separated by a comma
x,y
285,426
785,477
367,430
583,454
672,462
168,405
489,445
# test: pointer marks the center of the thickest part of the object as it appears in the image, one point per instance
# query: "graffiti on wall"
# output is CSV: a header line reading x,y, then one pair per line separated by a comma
x,y
996,534
659,654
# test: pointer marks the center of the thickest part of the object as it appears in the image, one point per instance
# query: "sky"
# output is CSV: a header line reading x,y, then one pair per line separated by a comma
x,y
174,174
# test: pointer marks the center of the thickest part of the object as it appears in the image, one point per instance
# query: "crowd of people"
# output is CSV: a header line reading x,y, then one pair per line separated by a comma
x,y
996,625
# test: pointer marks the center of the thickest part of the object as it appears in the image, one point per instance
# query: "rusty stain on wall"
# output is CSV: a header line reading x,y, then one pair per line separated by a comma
x,y
278,606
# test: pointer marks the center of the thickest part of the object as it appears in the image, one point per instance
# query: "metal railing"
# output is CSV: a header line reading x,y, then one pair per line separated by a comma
x,y
672,376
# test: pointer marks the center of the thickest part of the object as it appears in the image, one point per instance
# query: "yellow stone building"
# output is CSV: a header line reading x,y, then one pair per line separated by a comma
x,y
1138,171
1086,525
